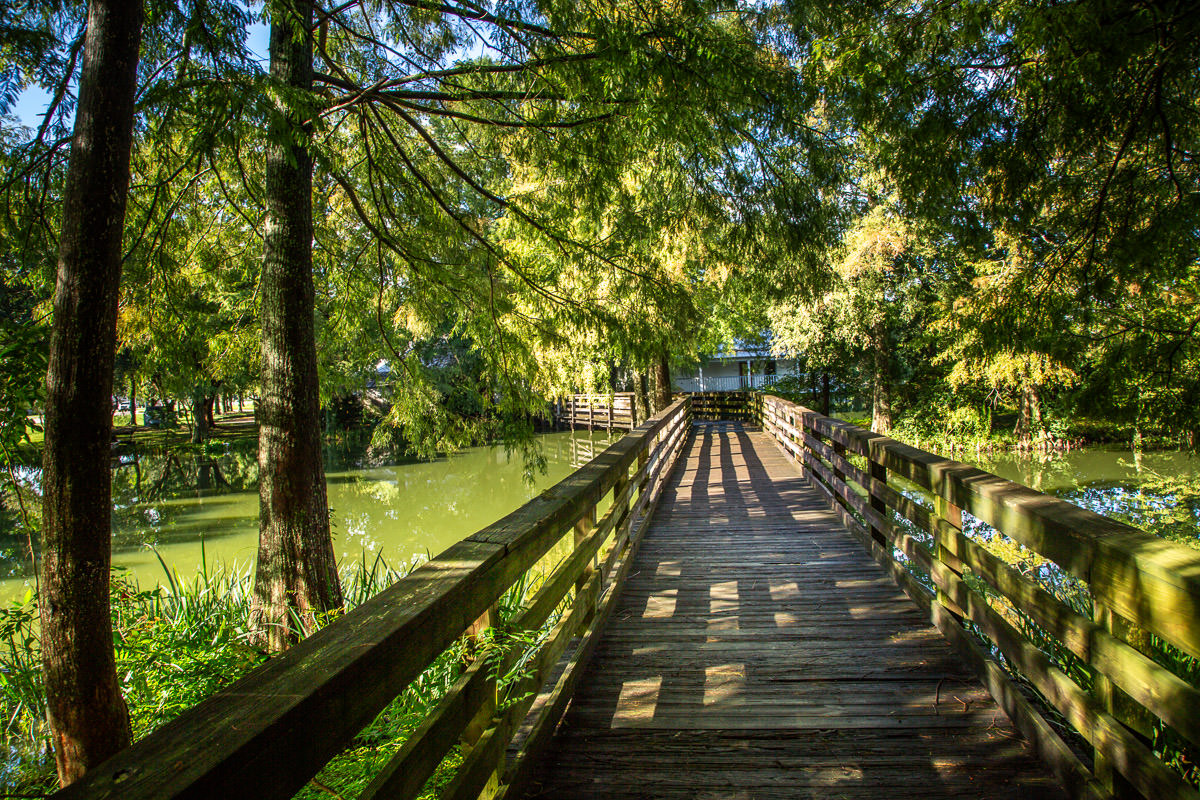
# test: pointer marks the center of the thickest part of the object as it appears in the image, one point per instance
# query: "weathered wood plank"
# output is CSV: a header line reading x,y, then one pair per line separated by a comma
x,y
265,736
255,739
1125,751
750,610
1173,700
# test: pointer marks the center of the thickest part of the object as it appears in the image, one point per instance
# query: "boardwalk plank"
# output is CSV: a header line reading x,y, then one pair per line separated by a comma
x,y
757,651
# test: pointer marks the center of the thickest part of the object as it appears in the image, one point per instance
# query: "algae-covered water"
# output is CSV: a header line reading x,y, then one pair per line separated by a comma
x,y
1158,491
179,509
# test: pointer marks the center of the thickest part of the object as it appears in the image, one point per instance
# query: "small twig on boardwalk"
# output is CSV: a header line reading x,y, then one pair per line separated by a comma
x,y
326,789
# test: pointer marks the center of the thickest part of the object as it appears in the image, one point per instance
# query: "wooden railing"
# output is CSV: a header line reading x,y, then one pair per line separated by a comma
x,y
907,506
596,411
727,383
271,732
722,406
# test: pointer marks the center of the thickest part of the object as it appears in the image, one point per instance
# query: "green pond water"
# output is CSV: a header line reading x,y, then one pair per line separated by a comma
x,y
183,508
1158,491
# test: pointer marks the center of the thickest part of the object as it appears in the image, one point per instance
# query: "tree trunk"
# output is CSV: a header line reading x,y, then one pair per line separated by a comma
x,y
641,396
88,717
199,418
210,418
1029,417
132,402
296,570
826,405
661,372
881,406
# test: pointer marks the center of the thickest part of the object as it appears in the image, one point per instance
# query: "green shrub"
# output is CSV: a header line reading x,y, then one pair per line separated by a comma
x,y
181,642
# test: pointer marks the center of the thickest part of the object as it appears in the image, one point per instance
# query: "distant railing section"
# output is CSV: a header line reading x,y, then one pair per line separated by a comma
x,y
267,735
596,411
722,406
726,383
1136,598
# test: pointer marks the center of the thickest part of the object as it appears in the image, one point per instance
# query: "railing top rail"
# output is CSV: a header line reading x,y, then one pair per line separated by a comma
x,y
600,395
255,738
1149,580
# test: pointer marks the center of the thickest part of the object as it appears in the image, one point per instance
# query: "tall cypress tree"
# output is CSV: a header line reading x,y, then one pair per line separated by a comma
x,y
296,568
87,713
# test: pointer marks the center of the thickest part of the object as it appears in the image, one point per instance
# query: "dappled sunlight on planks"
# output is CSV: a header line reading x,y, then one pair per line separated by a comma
x,y
758,652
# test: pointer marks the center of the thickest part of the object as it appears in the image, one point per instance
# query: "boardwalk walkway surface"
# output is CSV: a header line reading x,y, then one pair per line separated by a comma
x,y
758,652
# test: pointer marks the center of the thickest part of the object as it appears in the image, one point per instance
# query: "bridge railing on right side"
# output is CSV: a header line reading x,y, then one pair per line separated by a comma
x,y
1102,622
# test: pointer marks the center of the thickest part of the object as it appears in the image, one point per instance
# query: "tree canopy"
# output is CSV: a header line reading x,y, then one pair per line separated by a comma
x,y
950,211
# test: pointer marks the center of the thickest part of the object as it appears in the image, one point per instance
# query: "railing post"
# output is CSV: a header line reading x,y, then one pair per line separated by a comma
x,y
1127,711
947,523
798,457
840,449
583,529
483,719
878,472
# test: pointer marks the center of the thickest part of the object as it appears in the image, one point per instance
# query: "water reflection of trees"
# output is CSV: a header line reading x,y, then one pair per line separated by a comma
x,y
148,488
164,497
148,477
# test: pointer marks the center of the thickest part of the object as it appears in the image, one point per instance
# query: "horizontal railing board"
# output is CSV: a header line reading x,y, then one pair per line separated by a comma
x,y
255,739
1171,698
1136,762
1150,580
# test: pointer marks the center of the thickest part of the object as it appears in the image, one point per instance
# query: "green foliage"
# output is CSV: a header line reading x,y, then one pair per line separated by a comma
x,y
175,645
1045,152
178,643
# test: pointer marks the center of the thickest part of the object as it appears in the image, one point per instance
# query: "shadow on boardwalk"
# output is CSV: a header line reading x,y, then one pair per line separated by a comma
x,y
758,652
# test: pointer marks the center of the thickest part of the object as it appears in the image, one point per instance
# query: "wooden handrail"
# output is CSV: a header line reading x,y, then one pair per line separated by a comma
x,y
1139,585
596,410
272,731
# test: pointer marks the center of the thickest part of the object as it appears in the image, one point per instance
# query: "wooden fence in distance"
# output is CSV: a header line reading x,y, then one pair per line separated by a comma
x,y
596,411
722,406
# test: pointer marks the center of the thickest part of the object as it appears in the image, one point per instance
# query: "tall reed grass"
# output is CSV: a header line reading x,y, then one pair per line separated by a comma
x,y
185,639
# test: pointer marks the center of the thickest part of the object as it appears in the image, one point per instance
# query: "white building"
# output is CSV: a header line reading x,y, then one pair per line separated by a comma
x,y
732,370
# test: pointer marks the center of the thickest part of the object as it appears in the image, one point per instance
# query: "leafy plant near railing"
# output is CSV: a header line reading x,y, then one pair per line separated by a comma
x,y
180,642
349,773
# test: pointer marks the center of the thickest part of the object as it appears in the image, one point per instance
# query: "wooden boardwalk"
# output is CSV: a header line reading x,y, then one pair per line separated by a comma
x,y
757,651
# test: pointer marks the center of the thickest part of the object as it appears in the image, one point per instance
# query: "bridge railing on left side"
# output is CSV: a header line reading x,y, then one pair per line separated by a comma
x,y
1093,640
268,734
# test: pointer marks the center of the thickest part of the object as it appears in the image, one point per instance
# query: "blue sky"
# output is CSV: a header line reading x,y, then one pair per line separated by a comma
x,y
32,103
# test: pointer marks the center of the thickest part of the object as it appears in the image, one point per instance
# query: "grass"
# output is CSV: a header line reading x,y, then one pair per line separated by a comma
x,y
231,427
182,641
